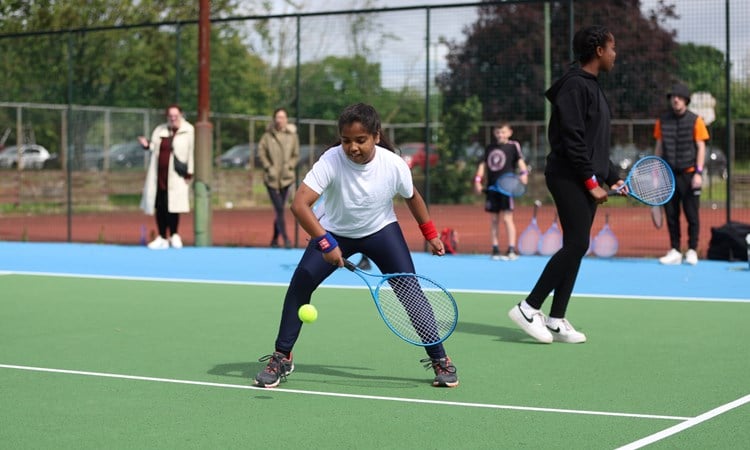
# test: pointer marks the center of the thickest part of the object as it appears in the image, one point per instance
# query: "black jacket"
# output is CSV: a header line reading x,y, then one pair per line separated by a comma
x,y
579,129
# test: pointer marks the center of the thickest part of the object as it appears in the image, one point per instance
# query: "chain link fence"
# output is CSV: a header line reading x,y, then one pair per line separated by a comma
x,y
440,75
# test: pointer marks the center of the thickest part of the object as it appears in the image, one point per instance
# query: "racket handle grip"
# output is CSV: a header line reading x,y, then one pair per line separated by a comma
x,y
348,264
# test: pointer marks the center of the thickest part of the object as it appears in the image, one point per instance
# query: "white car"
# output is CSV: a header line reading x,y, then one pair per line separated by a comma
x,y
32,156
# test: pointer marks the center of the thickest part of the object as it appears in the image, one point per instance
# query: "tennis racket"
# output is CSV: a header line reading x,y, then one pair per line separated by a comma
x,y
529,239
657,216
508,184
650,181
605,243
551,240
415,308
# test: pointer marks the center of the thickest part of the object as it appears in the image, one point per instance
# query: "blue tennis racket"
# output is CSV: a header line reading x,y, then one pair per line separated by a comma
x,y
650,181
508,184
415,308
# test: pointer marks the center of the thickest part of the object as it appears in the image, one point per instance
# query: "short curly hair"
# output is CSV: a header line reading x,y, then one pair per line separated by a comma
x,y
586,40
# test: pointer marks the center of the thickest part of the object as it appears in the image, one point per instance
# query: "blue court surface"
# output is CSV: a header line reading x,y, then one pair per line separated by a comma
x,y
617,277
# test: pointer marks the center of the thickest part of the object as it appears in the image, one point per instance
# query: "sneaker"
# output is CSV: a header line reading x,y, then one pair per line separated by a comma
x,y
175,241
533,325
511,255
672,258
691,257
496,256
445,371
279,366
159,244
563,331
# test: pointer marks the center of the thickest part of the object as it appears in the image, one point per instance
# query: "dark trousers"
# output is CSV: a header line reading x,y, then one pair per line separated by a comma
x,y
576,210
689,199
386,248
278,199
165,220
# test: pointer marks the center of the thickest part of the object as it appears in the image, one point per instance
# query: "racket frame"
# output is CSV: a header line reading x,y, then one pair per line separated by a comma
x,y
374,293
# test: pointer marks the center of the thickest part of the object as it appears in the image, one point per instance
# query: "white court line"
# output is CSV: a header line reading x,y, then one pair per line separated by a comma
x,y
342,395
337,286
687,424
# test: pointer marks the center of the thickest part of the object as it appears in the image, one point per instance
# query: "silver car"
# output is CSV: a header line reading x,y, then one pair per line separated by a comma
x,y
32,156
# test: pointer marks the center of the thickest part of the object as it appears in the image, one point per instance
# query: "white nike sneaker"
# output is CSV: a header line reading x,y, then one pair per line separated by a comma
x,y
532,325
159,244
673,257
175,241
563,331
691,257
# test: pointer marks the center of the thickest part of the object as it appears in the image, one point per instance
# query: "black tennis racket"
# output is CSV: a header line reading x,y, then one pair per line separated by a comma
x,y
508,184
650,181
414,307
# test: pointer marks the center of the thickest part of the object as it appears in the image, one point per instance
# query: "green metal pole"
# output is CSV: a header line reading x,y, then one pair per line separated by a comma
x,y
203,133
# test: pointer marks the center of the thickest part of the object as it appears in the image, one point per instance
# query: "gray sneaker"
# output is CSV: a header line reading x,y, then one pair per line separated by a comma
x,y
445,371
279,366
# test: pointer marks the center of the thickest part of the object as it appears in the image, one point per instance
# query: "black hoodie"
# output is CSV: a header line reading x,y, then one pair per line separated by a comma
x,y
579,129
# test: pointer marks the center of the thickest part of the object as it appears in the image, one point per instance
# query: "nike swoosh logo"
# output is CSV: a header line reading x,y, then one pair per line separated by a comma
x,y
555,330
524,315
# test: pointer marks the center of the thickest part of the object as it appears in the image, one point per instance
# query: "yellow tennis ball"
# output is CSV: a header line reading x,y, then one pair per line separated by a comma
x,y
307,313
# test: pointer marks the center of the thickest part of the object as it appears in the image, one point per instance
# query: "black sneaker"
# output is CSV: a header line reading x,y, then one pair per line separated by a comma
x,y
445,371
279,366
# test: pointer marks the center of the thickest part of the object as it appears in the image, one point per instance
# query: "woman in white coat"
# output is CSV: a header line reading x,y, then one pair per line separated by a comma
x,y
166,192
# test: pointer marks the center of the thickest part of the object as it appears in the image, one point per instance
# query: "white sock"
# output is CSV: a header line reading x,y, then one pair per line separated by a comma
x,y
552,322
526,308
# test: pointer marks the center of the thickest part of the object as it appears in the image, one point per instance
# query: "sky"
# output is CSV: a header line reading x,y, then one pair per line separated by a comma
x,y
700,22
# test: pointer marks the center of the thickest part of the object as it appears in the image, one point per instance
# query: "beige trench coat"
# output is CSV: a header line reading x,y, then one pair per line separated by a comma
x,y
178,188
279,152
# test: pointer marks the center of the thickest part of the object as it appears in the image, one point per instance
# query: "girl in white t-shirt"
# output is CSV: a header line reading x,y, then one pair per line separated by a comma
x,y
358,179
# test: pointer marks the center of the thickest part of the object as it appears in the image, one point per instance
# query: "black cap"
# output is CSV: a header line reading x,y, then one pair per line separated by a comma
x,y
680,90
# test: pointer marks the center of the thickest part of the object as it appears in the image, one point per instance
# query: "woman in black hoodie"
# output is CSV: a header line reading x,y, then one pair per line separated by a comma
x,y
579,136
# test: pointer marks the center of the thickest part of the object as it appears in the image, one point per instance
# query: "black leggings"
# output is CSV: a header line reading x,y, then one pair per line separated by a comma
x,y
165,220
576,210
278,199
689,199
386,248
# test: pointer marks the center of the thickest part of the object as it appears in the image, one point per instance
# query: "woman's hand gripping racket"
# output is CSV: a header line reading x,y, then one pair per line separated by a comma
x,y
415,308
650,181
508,184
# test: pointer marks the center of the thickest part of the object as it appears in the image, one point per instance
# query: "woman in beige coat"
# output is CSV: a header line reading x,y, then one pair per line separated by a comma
x,y
278,151
166,193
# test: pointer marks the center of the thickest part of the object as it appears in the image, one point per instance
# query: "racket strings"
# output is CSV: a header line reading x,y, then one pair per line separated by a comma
x,y
417,309
652,182
511,185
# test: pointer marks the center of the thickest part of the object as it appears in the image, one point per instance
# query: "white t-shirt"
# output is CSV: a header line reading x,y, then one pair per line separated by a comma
x,y
358,198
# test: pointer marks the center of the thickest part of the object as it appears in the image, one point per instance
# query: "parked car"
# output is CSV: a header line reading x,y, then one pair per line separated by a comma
x,y
126,155
236,156
32,156
414,155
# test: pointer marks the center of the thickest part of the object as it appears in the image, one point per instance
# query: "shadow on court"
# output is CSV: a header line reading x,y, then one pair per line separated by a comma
x,y
339,375
506,334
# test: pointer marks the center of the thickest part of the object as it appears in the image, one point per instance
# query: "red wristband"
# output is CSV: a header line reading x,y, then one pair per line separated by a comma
x,y
428,230
591,183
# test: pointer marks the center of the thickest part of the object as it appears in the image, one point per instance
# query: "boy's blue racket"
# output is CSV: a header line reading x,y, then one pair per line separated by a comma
x,y
414,307
508,184
650,181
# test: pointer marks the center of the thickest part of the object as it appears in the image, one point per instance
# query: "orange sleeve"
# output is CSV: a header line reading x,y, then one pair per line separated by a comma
x,y
657,130
700,132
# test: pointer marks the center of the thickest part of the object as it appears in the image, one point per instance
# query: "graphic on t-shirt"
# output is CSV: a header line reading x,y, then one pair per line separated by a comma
x,y
496,160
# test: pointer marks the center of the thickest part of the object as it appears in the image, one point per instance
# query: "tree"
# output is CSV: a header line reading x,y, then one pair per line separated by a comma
x,y
506,71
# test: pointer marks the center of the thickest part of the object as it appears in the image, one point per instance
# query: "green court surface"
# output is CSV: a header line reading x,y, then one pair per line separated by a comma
x,y
112,363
